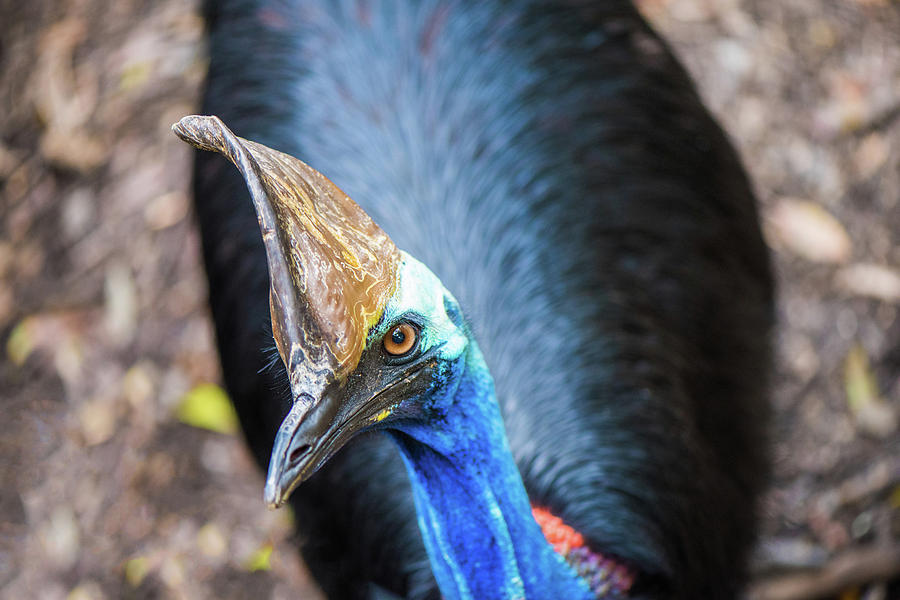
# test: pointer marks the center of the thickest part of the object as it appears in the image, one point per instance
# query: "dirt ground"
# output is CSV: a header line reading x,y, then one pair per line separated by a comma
x,y
107,490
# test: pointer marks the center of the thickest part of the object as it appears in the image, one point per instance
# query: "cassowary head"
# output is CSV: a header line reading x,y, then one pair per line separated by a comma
x,y
368,334
371,339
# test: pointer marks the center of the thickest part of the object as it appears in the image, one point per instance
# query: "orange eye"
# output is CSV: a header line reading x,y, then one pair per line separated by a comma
x,y
400,339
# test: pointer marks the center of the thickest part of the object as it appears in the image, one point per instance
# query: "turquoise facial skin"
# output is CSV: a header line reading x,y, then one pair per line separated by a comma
x,y
472,507
420,292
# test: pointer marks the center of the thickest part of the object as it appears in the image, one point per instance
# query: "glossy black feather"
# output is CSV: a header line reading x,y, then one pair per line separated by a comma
x,y
554,166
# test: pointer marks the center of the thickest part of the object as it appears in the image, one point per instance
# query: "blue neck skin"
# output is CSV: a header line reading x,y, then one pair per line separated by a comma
x,y
472,507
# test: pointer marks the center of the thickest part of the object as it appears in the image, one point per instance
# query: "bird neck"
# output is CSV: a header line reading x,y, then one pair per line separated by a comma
x,y
472,506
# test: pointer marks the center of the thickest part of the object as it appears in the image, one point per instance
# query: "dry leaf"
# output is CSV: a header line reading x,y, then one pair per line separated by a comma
x,y
65,99
60,537
135,75
166,210
869,280
809,231
61,100
139,384
120,306
821,33
849,101
211,541
86,590
97,418
73,149
871,154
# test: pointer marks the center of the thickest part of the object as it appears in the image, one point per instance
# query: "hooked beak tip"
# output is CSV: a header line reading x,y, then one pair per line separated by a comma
x,y
273,496
287,459
277,488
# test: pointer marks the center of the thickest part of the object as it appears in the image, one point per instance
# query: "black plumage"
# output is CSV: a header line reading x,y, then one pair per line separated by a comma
x,y
553,165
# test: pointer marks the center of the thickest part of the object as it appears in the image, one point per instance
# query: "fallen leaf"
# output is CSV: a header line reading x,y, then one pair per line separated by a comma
x,y
166,210
821,33
135,75
86,590
57,335
139,385
211,541
172,571
873,415
61,100
78,213
60,538
871,154
98,421
869,280
136,570
68,359
73,149
65,97
849,100
207,407
859,381
809,231
260,560
20,343
894,499
120,305
861,525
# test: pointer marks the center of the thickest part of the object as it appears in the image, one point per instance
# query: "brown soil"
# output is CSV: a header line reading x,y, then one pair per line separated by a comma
x,y
106,494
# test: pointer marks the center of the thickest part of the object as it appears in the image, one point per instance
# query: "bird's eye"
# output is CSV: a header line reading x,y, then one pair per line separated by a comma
x,y
400,339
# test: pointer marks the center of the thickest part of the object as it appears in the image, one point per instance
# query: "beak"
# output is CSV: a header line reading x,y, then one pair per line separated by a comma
x,y
331,273
297,452
313,432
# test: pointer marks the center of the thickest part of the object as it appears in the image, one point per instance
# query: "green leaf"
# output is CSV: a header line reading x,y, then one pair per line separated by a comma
x,y
859,382
207,407
873,415
260,560
20,343
136,570
894,499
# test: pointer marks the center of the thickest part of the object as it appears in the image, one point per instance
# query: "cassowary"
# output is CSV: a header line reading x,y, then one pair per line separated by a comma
x,y
532,361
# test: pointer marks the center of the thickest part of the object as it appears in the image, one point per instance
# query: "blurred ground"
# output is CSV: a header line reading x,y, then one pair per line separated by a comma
x,y
107,492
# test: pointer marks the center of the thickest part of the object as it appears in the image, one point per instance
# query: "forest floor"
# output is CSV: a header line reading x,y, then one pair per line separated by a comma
x,y
122,479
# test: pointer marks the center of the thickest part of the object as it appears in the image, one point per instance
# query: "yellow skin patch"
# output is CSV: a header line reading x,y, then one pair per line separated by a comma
x,y
382,416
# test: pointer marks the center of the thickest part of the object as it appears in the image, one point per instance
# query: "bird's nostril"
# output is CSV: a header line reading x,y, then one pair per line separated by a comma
x,y
298,452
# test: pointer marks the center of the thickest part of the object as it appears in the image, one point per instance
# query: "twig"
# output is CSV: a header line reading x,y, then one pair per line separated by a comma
x,y
853,568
